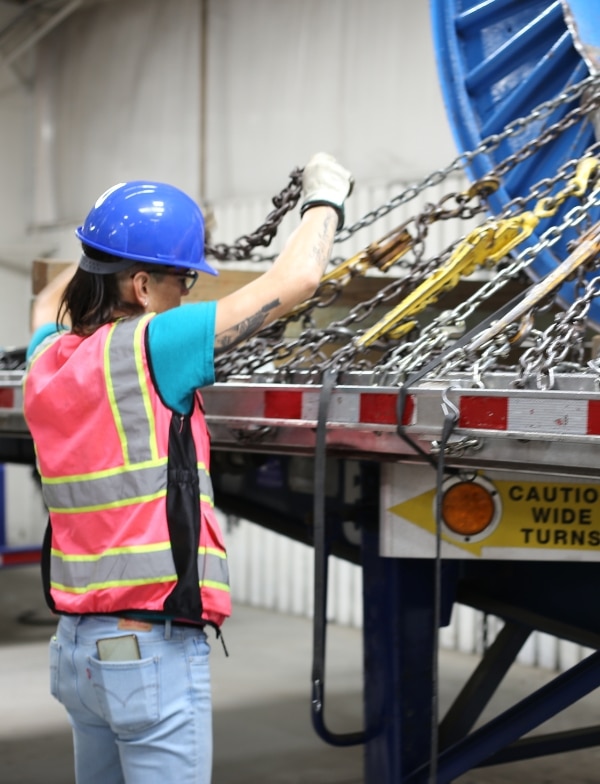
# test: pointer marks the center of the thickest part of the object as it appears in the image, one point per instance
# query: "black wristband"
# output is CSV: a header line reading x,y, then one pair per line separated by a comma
x,y
322,203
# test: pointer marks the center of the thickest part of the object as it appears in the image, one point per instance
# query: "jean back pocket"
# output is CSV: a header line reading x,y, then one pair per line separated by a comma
x,y
127,693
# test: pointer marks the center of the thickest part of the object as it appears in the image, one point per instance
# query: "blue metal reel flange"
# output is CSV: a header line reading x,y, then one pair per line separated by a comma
x,y
497,61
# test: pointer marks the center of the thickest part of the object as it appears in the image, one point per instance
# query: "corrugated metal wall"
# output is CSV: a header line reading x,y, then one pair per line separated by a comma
x,y
273,572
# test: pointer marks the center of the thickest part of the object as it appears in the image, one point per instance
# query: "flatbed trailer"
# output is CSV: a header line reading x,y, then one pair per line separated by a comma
x,y
452,454
373,512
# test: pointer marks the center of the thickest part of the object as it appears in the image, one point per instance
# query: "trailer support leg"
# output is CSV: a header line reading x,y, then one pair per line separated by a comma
x,y
482,685
398,661
515,722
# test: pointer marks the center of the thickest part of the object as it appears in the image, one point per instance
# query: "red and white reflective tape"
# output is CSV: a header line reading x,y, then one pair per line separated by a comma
x,y
20,557
7,397
557,416
365,408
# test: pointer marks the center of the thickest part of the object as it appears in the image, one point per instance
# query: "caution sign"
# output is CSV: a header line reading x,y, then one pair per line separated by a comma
x,y
533,518
554,515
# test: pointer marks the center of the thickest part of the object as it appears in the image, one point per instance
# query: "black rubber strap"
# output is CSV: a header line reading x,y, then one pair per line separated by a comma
x,y
320,575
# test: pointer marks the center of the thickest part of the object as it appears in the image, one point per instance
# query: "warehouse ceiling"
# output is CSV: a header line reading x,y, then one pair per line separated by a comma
x,y
25,22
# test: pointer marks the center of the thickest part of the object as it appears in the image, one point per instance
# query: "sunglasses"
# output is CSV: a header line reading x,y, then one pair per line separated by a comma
x,y
187,278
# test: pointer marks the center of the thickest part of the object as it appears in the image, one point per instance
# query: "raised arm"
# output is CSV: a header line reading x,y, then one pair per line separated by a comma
x,y
296,272
44,309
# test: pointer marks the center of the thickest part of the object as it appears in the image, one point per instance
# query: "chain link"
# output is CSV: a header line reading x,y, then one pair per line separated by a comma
x,y
410,356
462,162
271,351
562,340
501,344
242,248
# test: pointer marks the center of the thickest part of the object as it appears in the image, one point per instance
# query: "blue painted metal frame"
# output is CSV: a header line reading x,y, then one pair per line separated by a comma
x,y
400,677
400,681
398,646
397,663
513,723
497,61
2,509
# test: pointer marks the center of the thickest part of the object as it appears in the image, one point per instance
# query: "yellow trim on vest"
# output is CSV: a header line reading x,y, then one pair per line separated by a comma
x,y
121,503
139,364
206,499
212,551
112,505
217,586
111,396
128,583
59,480
142,548
114,584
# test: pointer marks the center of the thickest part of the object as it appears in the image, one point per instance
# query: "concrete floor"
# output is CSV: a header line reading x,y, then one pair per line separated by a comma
x,y
261,703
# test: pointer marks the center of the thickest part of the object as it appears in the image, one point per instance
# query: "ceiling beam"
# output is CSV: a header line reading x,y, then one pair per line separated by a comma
x,y
41,31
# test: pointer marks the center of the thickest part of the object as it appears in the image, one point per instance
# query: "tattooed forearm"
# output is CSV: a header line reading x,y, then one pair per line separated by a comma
x,y
234,335
321,250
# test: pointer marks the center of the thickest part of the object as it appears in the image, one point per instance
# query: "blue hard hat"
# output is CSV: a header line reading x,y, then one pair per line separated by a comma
x,y
148,222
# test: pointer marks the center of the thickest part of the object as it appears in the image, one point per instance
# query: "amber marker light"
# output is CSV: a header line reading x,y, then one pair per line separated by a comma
x,y
468,508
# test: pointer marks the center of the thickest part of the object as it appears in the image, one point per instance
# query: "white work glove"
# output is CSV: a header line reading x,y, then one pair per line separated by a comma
x,y
325,182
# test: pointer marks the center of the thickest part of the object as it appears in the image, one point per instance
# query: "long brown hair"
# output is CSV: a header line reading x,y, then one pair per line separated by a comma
x,y
91,300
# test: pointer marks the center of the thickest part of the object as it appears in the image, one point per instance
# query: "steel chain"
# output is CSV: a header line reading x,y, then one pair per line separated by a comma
x,y
433,336
487,145
242,248
562,338
271,351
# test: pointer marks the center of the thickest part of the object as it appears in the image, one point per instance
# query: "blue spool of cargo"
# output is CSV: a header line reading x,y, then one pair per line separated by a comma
x,y
497,61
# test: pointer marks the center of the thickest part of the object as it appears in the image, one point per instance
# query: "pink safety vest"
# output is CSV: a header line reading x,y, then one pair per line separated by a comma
x,y
126,481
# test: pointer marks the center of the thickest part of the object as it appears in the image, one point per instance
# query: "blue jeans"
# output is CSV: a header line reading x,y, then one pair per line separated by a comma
x,y
146,721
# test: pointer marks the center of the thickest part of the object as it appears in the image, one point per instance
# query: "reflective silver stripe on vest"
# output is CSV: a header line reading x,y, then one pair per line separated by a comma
x,y
120,487
206,488
129,396
130,566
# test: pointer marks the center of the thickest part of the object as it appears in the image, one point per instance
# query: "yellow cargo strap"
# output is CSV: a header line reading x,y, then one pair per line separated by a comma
x,y
488,243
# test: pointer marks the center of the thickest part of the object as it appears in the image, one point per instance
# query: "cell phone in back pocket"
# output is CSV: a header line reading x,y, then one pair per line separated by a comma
x,y
123,648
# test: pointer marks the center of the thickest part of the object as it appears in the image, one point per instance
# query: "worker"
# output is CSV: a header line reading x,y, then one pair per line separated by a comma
x,y
133,559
